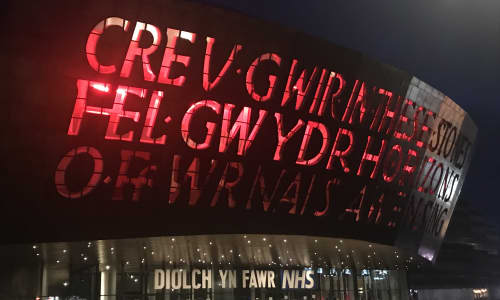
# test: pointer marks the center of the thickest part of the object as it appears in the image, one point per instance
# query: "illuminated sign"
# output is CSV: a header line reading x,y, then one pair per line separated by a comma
x,y
175,279
196,129
333,130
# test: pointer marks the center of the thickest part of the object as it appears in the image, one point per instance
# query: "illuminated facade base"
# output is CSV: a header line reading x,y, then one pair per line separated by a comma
x,y
216,267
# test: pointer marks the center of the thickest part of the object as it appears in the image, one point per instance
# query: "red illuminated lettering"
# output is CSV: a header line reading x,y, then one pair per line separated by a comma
x,y
193,173
81,103
389,116
328,195
271,78
186,121
259,187
134,51
60,175
291,194
422,139
311,125
191,178
241,125
416,126
319,88
95,35
115,113
298,89
283,139
207,85
371,211
228,185
334,95
403,119
356,205
137,182
393,217
371,157
341,154
391,164
170,56
408,168
356,103
309,190
151,114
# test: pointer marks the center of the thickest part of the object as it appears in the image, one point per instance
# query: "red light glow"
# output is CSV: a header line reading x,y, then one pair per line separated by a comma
x,y
94,37
60,175
170,56
186,121
135,51
305,143
283,139
298,89
210,85
241,125
375,158
271,78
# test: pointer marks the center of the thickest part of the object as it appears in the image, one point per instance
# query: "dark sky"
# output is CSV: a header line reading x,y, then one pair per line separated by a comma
x,y
454,45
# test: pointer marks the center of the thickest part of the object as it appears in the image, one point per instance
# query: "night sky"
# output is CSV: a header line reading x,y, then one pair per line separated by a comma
x,y
453,45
